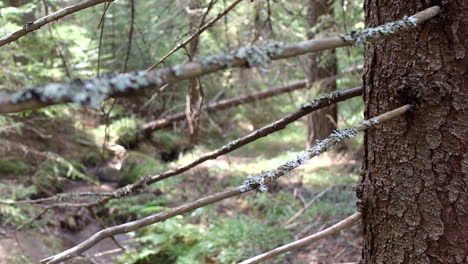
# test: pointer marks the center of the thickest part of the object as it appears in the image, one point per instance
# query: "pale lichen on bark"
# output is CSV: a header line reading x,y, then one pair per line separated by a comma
x,y
90,92
254,56
362,37
257,181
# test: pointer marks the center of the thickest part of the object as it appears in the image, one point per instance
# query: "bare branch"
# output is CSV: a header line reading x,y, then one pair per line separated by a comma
x,y
227,103
253,182
131,226
93,91
298,213
34,25
324,101
351,220
319,103
196,34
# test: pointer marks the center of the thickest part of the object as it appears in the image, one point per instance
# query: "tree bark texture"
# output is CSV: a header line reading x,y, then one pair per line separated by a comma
x,y
320,124
413,189
194,99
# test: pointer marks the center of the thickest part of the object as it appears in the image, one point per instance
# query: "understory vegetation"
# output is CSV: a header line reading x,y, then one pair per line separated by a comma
x,y
68,148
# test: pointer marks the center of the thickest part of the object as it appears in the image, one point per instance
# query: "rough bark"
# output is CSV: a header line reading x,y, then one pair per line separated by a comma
x,y
321,123
413,190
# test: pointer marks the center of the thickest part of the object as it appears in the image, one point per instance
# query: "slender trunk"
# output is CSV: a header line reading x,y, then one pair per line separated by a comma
x,y
321,123
413,191
194,98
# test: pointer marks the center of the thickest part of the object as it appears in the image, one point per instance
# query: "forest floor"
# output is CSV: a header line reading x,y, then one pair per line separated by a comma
x,y
61,228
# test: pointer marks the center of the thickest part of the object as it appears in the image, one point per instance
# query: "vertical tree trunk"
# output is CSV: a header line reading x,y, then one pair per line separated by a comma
x,y
194,92
321,123
413,190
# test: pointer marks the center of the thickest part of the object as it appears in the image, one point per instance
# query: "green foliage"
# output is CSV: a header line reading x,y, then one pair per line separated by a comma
x,y
168,141
13,213
225,240
52,173
136,207
136,165
17,167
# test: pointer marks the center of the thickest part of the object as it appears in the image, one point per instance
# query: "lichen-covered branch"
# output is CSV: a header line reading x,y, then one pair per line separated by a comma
x,y
319,103
94,91
253,182
104,197
34,25
345,223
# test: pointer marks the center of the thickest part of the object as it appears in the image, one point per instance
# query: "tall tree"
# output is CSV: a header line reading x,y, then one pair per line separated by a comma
x,y
321,65
413,190
194,98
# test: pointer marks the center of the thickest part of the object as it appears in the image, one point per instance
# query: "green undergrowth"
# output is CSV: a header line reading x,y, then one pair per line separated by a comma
x,y
136,165
197,238
12,214
16,167
237,228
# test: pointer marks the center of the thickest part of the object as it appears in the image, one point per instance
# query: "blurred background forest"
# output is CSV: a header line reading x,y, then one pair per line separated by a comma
x,y
69,148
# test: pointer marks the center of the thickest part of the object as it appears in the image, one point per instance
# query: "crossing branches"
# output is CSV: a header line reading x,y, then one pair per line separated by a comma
x,y
253,182
34,25
232,102
103,198
93,91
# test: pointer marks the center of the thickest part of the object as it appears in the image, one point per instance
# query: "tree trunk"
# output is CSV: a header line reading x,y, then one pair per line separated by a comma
x,y
413,190
321,123
194,98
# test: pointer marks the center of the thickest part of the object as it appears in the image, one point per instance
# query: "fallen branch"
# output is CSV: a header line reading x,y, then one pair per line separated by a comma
x,y
93,91
351,220
34,25
232,102
253,182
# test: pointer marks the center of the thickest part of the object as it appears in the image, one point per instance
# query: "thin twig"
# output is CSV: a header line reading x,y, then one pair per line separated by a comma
x,y
103,225
318,196
101,26
248,98
101,20
349,221
253,182
196,34
34,25
33,219
130,33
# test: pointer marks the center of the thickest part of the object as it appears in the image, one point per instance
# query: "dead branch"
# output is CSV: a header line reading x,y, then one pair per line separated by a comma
x,y
232,102
323,101
196,34
278,125
347,222
253,182
93,91
34,25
